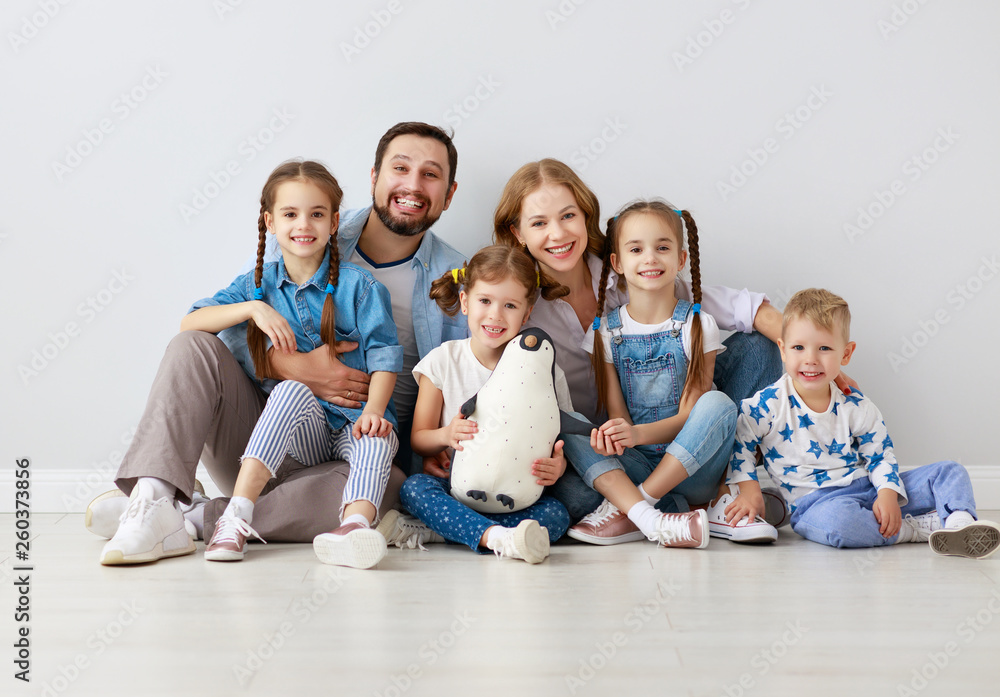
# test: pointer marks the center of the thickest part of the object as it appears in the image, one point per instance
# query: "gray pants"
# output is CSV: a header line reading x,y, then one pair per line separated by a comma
x,y
202,406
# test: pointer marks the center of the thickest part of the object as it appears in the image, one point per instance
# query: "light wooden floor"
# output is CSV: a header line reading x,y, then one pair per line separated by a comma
x,y
792,619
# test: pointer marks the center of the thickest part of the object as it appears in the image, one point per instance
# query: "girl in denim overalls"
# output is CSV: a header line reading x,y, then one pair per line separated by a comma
x,y
307,299
668,432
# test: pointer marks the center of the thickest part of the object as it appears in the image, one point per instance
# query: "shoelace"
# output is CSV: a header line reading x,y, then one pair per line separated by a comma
x,y
137,509
506,547
230,527
410,533
674,527
605,511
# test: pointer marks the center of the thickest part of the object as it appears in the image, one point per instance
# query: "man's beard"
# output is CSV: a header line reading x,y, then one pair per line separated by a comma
x,y
403,227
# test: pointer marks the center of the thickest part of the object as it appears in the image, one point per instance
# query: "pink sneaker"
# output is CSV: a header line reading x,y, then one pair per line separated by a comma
x,y
606,526
229,541
682,529
353,545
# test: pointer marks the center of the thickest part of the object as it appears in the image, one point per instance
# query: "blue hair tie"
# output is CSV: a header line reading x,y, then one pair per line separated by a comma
x,y
678,212
329,288
696,308
258,293
597,323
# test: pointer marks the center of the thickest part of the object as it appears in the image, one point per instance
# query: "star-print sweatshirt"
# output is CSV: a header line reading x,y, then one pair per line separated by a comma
x,y
806,450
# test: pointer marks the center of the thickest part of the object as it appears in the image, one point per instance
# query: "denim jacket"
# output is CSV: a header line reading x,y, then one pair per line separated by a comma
x,y
363,314
434,257
651,369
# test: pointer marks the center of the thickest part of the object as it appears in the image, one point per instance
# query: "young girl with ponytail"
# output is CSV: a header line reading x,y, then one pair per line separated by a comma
x,y
653,357
306,299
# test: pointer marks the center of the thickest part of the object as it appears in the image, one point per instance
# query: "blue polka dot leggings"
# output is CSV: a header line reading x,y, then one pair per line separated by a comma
x,y
428,498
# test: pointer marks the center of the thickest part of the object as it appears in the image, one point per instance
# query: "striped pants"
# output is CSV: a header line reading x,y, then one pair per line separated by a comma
x,y
294,423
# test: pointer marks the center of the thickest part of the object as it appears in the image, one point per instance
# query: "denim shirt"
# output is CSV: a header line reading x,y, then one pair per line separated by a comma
x,y
651,369
434,258
363,314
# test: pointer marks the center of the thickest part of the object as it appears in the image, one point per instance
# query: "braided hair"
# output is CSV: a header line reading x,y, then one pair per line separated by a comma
x,y
302,171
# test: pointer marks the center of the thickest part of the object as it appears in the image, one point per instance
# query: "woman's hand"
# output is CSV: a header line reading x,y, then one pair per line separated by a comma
x,y
437,465
549,469
274,325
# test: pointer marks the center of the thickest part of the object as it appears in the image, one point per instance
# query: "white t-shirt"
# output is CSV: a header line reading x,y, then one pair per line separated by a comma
x,y
709,333
399,278
454,369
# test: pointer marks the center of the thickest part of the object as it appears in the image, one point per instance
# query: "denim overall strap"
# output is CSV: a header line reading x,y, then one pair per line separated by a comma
x,y
652,370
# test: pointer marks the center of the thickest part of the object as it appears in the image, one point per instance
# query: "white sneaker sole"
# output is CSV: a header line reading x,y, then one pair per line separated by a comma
x,y
176,544
974,541
359,549
633,536
223,555
104,513
756,534
531,541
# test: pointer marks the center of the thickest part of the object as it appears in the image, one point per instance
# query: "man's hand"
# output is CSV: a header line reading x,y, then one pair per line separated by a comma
x,y
328,378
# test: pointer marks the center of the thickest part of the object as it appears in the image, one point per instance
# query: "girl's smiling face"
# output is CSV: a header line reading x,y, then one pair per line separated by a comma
x,y
303,222
649,253
496,311
553,228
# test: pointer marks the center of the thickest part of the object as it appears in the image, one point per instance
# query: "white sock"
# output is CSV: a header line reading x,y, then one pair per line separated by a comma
x,y
154,488
356,518
494,536
958,519
649,499
196,516
644,516
241,507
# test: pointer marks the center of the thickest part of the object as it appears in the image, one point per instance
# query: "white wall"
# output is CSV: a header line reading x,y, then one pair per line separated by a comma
x,y
622,91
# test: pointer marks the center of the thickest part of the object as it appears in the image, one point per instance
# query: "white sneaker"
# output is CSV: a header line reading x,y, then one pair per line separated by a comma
x,y
229,541
682,529
757,531
528,541
406,531
976,540
919,528
149,530
105,511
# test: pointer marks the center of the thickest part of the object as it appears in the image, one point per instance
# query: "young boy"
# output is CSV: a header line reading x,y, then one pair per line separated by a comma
x,y
832,457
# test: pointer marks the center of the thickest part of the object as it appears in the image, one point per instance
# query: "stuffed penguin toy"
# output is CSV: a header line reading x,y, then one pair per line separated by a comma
x,y
519,421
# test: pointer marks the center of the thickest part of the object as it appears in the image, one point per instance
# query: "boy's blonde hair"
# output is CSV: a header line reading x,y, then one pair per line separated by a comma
x,y
821,307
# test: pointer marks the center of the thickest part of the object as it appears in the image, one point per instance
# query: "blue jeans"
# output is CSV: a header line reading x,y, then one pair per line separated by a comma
x,y
703,447
429,499
842,516
750,363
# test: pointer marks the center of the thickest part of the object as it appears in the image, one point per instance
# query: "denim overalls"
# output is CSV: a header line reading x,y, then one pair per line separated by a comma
x,y
652,370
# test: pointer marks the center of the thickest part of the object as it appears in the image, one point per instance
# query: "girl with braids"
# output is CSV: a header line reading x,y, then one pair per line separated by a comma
x,y
496,290
654,358
304,300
